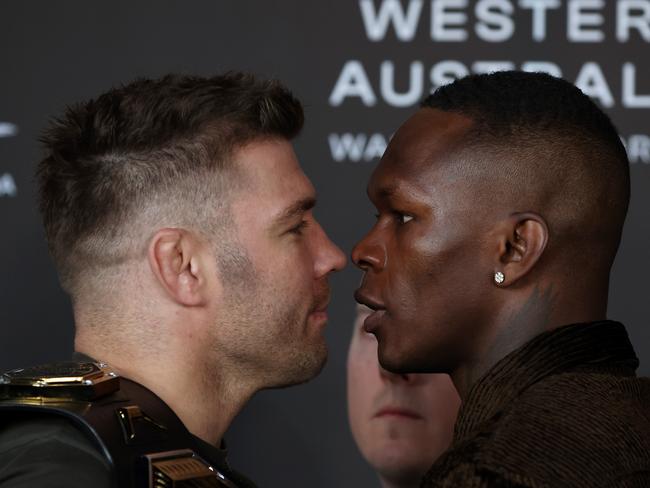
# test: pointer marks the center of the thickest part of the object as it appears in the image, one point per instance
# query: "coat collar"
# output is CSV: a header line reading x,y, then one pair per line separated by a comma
x,y
592,346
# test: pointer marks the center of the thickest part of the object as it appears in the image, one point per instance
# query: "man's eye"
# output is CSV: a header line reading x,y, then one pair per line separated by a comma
x,y
404,218
298,229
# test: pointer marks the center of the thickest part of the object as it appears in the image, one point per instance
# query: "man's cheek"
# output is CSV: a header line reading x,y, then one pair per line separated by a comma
x,y
405,288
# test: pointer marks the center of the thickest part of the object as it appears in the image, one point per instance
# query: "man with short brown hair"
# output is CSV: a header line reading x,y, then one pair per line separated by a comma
x,y
181,225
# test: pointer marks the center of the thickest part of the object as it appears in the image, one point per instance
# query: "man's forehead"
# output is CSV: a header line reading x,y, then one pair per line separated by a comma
x,y
424,144
428,135
276,187
271,165
388,183
266,157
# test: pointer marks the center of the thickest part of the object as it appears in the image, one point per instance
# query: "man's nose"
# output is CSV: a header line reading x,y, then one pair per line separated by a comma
x,y
368,254
330,256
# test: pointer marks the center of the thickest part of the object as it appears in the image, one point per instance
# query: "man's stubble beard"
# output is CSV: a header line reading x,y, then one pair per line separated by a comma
x,y
290,352
260,336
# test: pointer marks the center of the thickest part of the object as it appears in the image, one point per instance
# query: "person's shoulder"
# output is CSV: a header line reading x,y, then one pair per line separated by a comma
x,y
467,465
591,426
48,451
19,430
583,403
568,430
44,439
60,414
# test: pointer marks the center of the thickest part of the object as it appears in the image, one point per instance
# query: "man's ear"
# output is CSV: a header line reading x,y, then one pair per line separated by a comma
x,y
175,260
522,241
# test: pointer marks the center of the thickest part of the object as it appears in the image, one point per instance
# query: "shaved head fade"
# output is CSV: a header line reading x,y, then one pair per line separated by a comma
x,y
152,153
545,146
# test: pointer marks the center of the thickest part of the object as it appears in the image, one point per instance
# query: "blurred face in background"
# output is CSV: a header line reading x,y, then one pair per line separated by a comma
x,y
400,422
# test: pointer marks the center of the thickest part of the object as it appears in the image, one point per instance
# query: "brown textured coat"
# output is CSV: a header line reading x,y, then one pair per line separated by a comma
x,y
564,410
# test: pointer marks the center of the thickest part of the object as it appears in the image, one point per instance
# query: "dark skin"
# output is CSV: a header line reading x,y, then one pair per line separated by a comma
x,y
444,227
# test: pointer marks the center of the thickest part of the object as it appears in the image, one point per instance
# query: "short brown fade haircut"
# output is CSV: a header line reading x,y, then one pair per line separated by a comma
x,y
152,153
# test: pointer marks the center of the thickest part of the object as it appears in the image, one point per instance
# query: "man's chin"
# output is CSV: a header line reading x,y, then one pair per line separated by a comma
x,y
313,365
406,362
395,365
303,368
391,357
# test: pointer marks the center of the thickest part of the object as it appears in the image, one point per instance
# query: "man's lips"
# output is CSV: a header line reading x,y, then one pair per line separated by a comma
x,y
320,308
398,412
372,321
319,312
364,298
379,309
322,301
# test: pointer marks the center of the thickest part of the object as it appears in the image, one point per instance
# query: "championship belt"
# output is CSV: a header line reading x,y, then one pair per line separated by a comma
x,y
59,381
183,468
144,441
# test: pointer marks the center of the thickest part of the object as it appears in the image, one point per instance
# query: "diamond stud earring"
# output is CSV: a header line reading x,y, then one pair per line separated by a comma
x,y
499,277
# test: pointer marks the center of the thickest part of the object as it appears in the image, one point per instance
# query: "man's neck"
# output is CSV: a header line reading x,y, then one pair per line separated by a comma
x,y
540,310
206,405
207,410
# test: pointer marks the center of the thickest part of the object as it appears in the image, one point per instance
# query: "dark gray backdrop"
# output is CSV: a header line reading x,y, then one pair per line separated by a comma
x,y
53,53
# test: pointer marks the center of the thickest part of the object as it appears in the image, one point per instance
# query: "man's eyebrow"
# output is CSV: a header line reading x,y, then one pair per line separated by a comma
x,y
297,208
386,191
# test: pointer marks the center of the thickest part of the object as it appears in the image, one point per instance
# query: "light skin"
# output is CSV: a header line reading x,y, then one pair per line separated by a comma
x,y
205,342
400,422
444,228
